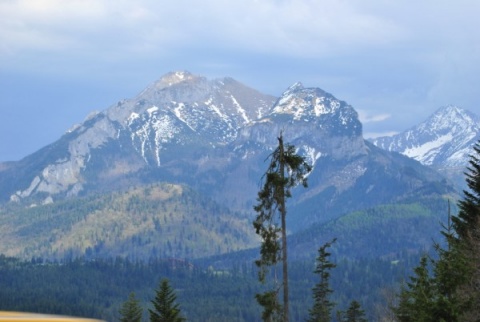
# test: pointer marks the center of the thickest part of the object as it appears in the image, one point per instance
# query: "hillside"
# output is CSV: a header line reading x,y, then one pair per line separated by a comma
x,y
161,220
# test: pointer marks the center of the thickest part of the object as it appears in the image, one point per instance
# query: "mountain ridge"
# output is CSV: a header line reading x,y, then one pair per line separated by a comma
x,y
214,136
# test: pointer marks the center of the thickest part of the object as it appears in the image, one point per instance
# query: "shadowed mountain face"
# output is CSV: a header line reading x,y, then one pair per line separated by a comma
x,y
215,135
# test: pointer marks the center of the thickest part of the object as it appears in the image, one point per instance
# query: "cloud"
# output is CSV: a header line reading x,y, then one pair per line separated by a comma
x,y
367,117
294,28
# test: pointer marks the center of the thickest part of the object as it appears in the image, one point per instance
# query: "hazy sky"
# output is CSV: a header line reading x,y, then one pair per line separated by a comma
x,y
395,62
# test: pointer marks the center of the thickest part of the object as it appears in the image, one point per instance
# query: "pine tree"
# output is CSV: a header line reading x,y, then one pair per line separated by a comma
x,y
466,222
131,310
322,306
417,299
454,288
165,308
286,170
355,313
449,273
467,239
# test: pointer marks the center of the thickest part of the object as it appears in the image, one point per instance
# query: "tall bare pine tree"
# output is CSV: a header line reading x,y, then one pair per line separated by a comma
x,y
286,170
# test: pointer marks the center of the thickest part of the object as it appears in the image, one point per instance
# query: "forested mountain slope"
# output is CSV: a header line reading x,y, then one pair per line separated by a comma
x,y
160,220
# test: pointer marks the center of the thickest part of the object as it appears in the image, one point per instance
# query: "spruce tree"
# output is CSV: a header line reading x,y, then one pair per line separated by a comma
x,y
322,306
467,239
285,171
131,311
165,308
355,313
467,220
449,273
454,287
416,301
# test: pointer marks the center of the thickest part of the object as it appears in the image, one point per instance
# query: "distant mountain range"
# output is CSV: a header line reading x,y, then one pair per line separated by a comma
x,y
214,137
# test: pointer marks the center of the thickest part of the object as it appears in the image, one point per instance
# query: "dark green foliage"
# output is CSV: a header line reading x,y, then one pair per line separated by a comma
x,y
131,311
433,293
451,291
354,313
466,241
166,308
272,308
286,170
468,217
205,291
417,299
322,305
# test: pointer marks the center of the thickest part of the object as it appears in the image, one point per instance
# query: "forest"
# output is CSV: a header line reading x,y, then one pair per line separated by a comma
x,y
97,288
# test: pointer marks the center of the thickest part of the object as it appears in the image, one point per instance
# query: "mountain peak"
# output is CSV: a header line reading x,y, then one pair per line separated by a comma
x,y
304,103
450,118
452,112
445,139
173,78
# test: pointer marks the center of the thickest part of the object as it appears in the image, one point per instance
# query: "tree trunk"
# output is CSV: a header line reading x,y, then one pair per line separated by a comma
x,y
283,214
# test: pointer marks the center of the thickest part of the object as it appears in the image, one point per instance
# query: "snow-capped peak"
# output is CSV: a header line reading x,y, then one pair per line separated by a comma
x,y
295,87
451,118
304,102
445,139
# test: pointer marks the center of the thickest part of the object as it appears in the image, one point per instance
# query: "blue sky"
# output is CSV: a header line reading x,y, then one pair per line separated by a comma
x,y
395,62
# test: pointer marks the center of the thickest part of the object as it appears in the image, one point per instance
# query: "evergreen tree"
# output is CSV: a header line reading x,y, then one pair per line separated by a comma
x,y
165,308
131,310
322,306
449,273
417,299
466,222
466,242
286,170
434,295
454,289
355,313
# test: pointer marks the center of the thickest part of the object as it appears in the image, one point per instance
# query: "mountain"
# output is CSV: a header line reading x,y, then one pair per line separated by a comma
x,y
213,136
443,141
348,172
176,118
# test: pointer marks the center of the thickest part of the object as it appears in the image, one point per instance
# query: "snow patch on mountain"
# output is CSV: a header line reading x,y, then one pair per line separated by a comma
x,y
426,152
240,109
311,154
150,130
